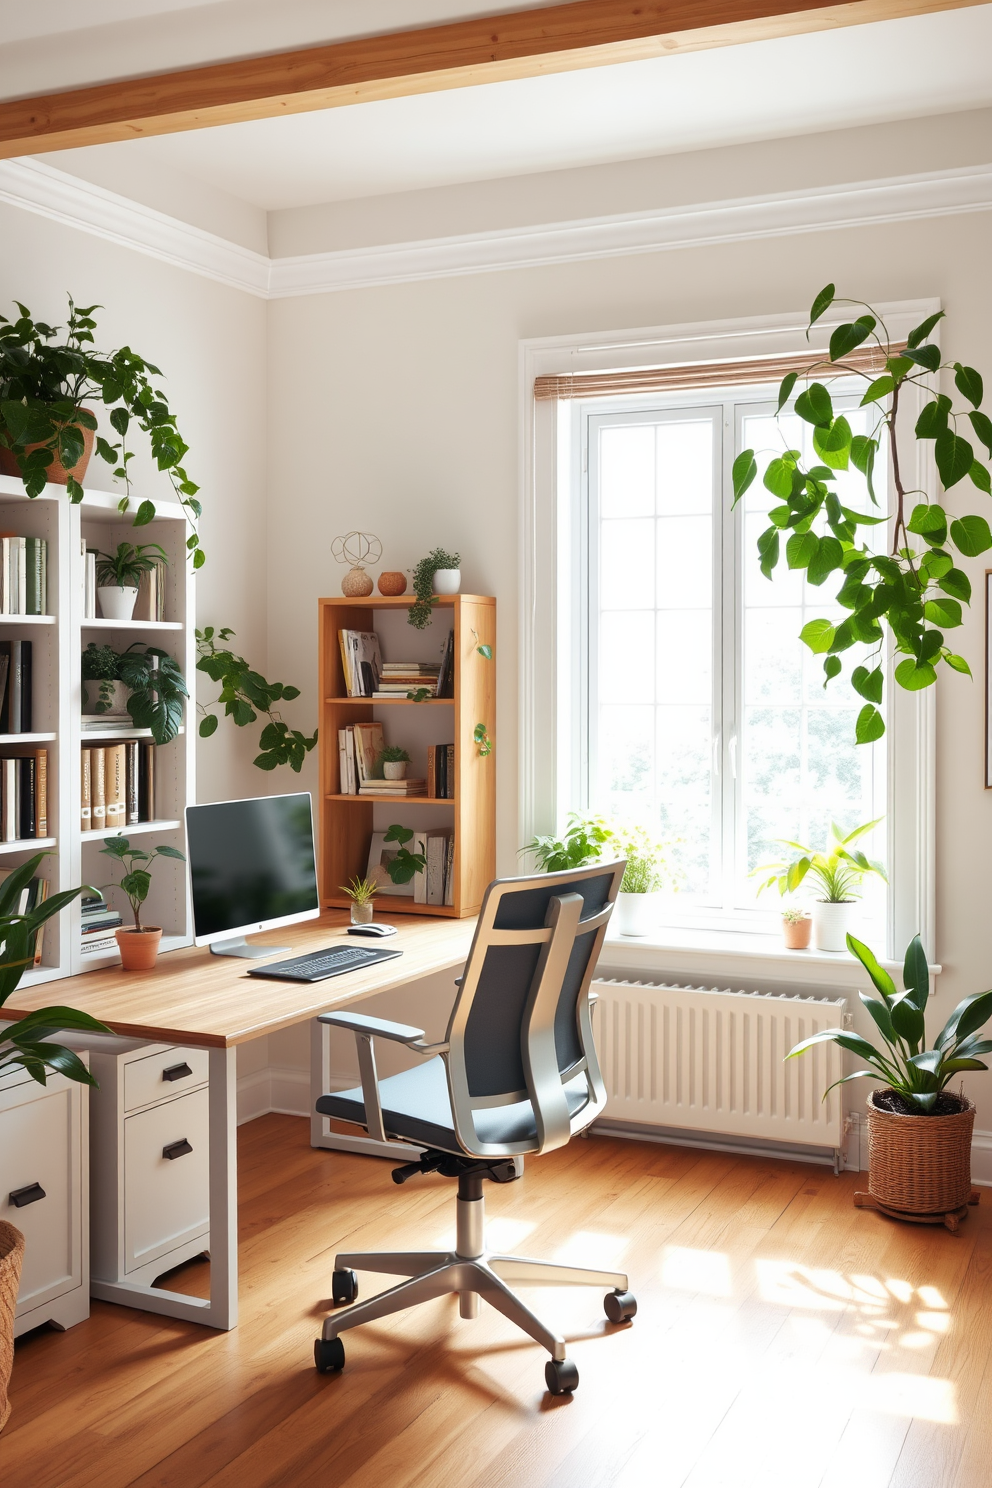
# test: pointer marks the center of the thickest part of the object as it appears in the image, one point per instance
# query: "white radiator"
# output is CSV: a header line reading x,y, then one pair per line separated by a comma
x,y
713,1062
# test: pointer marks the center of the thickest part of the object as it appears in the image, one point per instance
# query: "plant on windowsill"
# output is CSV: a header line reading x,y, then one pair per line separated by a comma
x,y
796,929
361,892
139,945
919,1132
645,877
119,574
584,840
438,573
392,762
838,871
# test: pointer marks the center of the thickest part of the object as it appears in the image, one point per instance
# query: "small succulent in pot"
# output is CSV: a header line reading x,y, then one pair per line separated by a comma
x,y
796,928
393,761
361,892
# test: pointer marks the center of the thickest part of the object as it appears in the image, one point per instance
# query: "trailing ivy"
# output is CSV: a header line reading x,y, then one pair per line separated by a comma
x,y
245,694
913,592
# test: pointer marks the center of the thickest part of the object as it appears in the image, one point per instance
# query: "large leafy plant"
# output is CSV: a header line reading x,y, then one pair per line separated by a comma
x,y
25,1043
915,590
44,382
245,694
838,870
904,1063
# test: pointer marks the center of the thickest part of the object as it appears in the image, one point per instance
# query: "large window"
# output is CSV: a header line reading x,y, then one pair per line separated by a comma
x,y
696,709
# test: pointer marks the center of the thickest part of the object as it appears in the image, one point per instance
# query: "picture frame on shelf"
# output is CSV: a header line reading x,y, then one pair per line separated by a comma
x,y
381,853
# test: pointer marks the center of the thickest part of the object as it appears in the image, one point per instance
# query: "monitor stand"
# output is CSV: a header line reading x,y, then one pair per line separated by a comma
x,y
240,947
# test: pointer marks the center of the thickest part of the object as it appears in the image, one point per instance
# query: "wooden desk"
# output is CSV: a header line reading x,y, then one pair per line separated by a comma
x,y
195,998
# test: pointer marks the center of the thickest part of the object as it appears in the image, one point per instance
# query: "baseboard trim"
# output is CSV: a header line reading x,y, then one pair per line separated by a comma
x,y
281,1090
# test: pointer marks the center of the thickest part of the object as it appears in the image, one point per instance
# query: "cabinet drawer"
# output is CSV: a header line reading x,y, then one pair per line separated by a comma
x,y
161,1077
166,1200
39,1144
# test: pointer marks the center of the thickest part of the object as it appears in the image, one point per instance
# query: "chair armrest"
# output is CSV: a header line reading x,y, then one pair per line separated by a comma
x,y
399,1033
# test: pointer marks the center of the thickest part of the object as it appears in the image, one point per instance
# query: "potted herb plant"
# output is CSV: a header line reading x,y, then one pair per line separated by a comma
x,y
394,761
46,433
796,928
644,878
361,892
438,573
119,574
837,871
919,1132
103,690
25,1044
138,945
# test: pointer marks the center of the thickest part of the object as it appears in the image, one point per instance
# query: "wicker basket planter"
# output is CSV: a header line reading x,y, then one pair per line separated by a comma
x,y
920,1164
11,1256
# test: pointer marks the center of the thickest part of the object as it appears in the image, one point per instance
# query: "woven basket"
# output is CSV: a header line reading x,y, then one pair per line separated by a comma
x,y
11,1256
920,1164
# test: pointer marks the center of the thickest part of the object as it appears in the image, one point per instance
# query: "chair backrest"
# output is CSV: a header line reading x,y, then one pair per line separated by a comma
x,y
520,1029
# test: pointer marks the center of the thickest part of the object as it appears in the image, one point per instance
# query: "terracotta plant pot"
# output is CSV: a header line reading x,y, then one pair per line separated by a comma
x,y
11,1256
796,933
392,582
139,948
920,1164
57,473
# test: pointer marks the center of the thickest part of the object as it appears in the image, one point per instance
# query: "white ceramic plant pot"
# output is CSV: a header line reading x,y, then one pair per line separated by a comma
x,y
635,914
831,923
117,604
394,769
108,698
447,580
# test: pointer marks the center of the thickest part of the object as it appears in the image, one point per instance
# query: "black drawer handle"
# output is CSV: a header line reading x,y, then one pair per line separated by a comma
x,y
176,1149
176,1071
29,1195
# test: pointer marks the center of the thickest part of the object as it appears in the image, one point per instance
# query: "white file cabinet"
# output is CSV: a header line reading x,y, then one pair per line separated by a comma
x,y
44,1191
149,1158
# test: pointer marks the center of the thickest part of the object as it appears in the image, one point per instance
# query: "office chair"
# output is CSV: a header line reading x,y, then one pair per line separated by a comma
x,y
516,1075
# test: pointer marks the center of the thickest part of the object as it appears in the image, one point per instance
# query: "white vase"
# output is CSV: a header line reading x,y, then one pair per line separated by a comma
x,y
394,769
117,604
447,580
831,923
635,914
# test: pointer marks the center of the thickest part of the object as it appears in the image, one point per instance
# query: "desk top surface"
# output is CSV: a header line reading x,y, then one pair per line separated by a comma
x,y
197,998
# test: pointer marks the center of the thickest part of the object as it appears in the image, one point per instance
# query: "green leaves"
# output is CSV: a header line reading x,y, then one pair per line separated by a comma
x,y
971,535
785,389
768,550
914,676
968,383
923,330
815,405
846,337
245,694
818,635
954,457
822,302
868,684
833,445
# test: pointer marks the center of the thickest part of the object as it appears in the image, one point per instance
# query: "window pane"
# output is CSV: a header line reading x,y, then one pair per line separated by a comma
x,y
626,477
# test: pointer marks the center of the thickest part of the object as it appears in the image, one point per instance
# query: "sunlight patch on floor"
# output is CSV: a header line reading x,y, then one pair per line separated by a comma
x,y
696,1271
592,1248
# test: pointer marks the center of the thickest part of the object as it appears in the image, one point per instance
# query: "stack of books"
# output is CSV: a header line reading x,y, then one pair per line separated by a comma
x,y
400,677
89,582
150,603
98,923
441,771
23,575
15,687
393,788
367,675
436,884
117,786
32,894
24,796
359,748
361,660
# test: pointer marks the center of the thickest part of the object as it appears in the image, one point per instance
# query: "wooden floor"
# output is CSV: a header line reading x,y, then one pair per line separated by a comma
x,y
784,1339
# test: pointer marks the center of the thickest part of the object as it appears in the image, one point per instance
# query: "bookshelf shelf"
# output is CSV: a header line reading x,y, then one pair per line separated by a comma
x,y
347,822
102,624
133,830
27,619
28,844
108,731
27,738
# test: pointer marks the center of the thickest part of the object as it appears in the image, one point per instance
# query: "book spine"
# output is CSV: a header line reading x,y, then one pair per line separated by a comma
x,y
420,879
41,792
44,577
85,797
26,783
115,786
91,586
449,772
4,687
10,800
14,689
430,771
27,689
22,574
345,670
5,576
343,762
98,788
133,801
148,777
449,871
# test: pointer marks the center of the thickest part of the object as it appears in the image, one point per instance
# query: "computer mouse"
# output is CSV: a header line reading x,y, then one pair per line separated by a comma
x,y
374,930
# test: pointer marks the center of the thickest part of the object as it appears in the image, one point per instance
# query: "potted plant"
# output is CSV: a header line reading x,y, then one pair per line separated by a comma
x,y
119,574
584,840
103,690
393,761
796,928
438,573
838,871
46,434
144,685
25,1044
361,892
138,945
403,863
919,1132
644,877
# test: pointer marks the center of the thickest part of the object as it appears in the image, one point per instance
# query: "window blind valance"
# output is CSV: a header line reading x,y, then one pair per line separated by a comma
x,y
675,377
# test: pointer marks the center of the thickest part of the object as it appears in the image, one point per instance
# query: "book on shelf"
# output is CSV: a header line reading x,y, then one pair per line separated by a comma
x,y
361,660
347,768
446,672
24,796
34,892
117,786
150,603
369,744
89,581
441,771
394,788
435,884
16,702
23,575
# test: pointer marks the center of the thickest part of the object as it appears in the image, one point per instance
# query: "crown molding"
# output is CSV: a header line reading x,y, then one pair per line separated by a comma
x,y
36,187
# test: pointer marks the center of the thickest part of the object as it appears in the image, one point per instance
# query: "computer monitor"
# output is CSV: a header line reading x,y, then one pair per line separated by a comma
x,y
252,867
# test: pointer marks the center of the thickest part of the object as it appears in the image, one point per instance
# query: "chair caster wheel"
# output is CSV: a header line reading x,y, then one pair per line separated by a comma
x,y
561,1376
620,1307
344,1287
328,1355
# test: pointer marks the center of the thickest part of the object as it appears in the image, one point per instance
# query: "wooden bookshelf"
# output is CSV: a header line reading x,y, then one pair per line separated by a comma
x,y
348,821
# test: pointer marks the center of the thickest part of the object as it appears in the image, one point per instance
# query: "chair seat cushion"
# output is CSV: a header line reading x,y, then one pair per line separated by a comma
x,y
415,1106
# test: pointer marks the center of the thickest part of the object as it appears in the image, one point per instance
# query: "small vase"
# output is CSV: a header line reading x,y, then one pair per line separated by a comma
x,y
394,769
106,698
139,948
831,923
447,580
392,583
361,914
635,913
356,583
117,603
796,933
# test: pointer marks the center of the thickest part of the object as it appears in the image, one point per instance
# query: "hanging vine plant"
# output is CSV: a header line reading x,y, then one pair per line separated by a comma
x,y
913,592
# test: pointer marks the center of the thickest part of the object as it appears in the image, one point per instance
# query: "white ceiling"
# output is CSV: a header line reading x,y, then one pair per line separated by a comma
x,y
794,85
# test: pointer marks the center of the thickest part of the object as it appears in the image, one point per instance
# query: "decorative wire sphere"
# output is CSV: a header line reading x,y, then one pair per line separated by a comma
x,y
356,548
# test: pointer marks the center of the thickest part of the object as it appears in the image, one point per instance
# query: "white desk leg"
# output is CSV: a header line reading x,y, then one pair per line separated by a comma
x,y
221,1311
320,1126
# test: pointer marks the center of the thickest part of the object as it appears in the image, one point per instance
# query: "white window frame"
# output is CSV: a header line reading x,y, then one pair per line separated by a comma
x,y
550,550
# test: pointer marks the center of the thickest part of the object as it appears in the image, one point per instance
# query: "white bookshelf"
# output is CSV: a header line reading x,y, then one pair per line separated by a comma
x,y
58,641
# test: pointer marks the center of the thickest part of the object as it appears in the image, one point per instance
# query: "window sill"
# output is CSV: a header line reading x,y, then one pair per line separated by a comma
x,y
697,954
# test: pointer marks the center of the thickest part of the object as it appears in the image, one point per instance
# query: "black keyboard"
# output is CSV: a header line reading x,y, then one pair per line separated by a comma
x,y
321,964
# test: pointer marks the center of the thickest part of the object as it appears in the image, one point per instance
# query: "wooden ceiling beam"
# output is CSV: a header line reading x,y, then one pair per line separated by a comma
x,y
558,38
